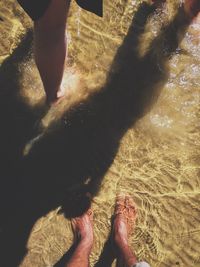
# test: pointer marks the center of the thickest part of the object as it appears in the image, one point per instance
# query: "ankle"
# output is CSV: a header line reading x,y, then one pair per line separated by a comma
x,y
86,244
126,256
121,244
86,238
120,232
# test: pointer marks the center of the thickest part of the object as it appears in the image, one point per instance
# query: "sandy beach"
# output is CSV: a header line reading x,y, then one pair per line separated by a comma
x,y
131,124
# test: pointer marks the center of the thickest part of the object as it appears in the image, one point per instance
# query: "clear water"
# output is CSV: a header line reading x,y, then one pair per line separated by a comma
x,y
157,159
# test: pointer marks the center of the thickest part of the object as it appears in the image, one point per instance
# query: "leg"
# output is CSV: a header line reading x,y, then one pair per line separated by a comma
x,y
50,46
83,229
124,221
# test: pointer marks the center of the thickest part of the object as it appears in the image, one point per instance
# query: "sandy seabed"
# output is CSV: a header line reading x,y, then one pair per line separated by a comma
x,y
158,156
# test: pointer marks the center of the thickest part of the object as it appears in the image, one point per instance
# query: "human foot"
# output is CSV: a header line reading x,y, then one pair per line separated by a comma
x,y
71,81
83,228
124,220
57,97
61,92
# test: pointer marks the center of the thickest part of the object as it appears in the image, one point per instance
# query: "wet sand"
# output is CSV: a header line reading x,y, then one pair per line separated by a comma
x,y
141,86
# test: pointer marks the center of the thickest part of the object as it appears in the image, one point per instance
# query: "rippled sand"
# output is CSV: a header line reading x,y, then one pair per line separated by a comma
x,y
158,160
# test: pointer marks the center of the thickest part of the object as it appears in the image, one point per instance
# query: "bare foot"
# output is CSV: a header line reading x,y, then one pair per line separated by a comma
x,y
83,228
62,92
124,220
71,81
192,8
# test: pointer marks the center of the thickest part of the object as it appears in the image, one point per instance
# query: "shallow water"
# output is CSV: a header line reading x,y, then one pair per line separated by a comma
x,y
157,160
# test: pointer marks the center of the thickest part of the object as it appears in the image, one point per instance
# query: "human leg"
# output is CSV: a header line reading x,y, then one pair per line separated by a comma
x,y
50,46
83,229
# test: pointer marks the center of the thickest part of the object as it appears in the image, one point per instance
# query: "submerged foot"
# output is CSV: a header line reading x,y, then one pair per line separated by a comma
x,y
62,92
70,83
57,97
124,220
83,228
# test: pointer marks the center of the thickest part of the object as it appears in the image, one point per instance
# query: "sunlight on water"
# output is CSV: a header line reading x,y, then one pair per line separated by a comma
x,y
158,158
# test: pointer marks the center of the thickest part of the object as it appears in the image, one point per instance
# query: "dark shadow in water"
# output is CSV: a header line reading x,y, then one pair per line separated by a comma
x,y
82,146
62,262
17,120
